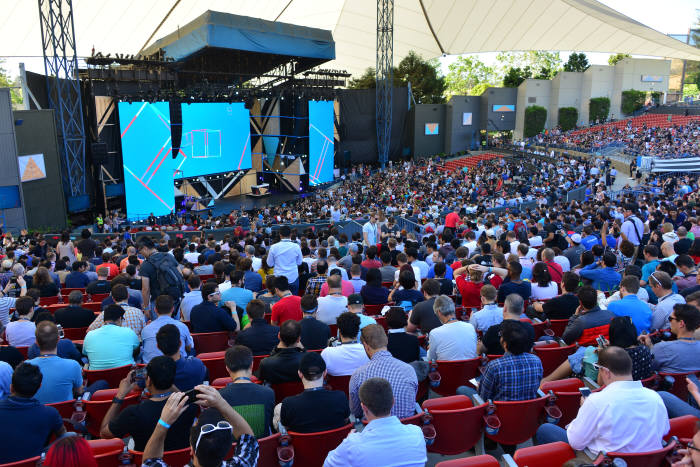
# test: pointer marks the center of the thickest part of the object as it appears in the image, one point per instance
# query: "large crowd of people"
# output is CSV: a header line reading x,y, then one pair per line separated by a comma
x,y
496,250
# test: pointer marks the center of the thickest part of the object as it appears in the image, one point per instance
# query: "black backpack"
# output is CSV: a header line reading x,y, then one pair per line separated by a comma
x,y
168,277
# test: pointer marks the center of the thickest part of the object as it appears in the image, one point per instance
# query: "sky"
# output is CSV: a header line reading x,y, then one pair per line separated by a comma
x,y
674,17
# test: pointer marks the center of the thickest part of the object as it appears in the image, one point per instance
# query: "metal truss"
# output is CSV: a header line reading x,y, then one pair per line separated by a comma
x,y
61,68
384,77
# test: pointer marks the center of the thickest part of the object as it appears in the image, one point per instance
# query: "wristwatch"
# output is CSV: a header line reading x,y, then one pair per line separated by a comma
x,y
116,400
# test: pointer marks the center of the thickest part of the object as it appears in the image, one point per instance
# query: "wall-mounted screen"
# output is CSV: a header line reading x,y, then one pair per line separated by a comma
x,y
321,143
504,108
432,129
466,118
31,167
652,79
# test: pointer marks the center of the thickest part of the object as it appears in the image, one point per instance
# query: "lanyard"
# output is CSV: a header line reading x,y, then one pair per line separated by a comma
x,y
245,378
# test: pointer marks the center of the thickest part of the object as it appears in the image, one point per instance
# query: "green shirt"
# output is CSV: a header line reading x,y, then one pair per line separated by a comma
x,y
110,346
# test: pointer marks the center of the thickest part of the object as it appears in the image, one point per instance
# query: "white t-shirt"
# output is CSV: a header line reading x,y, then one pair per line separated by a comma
x,y
344,359
330,307
540,293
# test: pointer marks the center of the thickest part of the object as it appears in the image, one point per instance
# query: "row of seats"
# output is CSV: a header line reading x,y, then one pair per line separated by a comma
x,y
62,299
469,161
656,120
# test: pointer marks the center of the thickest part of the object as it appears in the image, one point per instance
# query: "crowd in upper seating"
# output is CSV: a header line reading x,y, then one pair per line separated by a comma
x,y
374,317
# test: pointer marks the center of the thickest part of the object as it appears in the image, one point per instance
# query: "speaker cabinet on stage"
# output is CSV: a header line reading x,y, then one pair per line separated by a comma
x,y
99,152
175,127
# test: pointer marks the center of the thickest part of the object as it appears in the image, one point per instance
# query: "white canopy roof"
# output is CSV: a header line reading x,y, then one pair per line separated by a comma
x,y
430,27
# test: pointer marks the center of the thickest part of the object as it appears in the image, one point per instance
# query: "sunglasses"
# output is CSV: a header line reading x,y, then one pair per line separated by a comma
x,y
218,292
673,318
598,367
652,276
209,428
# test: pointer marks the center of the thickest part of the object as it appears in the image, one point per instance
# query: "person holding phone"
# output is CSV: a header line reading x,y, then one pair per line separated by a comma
x,y
140,420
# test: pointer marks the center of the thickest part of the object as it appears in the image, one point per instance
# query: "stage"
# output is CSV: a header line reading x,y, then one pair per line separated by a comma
x,y
224,206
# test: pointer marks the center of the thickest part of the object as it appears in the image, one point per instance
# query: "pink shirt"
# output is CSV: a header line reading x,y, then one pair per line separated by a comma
x,y
347,287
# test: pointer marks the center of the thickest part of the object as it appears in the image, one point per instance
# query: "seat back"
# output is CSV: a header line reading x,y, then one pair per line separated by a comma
x,y
645,459
519,420
456,373
106,451
680,386
75,334
475,461
267,451
49,300
113,376
98,297
545,455
283,390
65,410
552,357
210,341
93,306
219,383
31,462
373,310
215,363
98,405
256,361
588,336
458,424
539,329
340,383
557,326
568,397
178,458
683,427
311,449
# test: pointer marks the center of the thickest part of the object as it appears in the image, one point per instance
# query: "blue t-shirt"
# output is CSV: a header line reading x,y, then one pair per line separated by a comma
x,y
189,372
59,377
110,346
238,295
5,379
66,349
32,423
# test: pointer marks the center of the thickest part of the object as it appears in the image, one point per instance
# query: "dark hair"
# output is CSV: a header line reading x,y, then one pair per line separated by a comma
x,y
609,259
431,287
26,380
440,268
24,305
119,292
285,231
281,283
194,281
113,312
407,279
396,318
161,370
622,332
651,250
688,314
168,339
255,309
348,324
570,281
684,260
377,396
615,359
385,256
213,446
321,266
46,334
290,331
540,274
516,267
309,302
238,358
374,277
164,304
207,289
515,337
588,297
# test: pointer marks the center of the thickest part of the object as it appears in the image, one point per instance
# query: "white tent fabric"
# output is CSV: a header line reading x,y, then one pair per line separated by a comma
x,y
430,27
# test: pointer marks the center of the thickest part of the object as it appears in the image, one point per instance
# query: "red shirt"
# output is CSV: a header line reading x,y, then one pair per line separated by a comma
x,y
452,220
470,292
371,263
555,271
287,308
113,269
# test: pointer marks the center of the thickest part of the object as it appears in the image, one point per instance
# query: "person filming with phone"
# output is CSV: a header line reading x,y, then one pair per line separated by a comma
x,y
140,420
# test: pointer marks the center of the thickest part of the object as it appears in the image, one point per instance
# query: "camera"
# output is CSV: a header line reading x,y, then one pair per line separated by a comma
x,y
138,376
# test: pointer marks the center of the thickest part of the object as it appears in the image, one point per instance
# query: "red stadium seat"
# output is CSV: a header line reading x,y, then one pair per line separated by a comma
x,y
381,320
680,386
568,397
49,300
178,458
98,297
519,420
456,373
683,428
457,422
206,277
557,326
94,306
214,361
113,376
107,451
311,449
31,462
552,357
373,310
283,390
475,461
24,350
256,361
643,459
98,405
339,383
66,290
65,410
75,333
267,451
545,455
205,342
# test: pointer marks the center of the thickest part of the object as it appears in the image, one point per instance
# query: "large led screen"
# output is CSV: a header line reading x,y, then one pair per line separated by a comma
x,y
320,142
215,139
148,165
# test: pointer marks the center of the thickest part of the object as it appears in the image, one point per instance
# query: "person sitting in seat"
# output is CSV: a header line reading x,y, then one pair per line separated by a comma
x,y
260,337
317,408
588,315
111,345
347,354
164,308
209,317
74,315
189,371
490,313
454,340
683,354
616,405
281,366
314,333
28,424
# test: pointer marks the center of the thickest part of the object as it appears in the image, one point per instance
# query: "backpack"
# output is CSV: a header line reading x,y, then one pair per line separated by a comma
x,y
168,277
520,231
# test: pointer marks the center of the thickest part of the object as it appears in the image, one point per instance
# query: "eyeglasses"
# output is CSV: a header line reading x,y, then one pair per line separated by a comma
x,y
693,447
209,428
598,367
652,276
673,318
217,292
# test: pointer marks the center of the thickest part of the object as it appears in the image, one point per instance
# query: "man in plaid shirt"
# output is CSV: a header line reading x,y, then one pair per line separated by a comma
x,y
313,286
133,317
515,376
401,376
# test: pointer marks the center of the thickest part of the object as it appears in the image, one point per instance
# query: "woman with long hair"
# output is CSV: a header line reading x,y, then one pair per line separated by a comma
x,y
42,280
543,287
65,248
372,292
70,451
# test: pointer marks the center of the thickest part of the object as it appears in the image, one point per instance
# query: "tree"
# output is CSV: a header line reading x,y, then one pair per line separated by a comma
x,y
515,76
366,80
577,62
535,118
469,76
13,84
568,116
598,109
548,63
632,100
613,59
427,85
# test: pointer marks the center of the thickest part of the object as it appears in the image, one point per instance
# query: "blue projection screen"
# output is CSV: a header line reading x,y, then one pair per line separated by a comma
x,y
320,142
148,165
215,139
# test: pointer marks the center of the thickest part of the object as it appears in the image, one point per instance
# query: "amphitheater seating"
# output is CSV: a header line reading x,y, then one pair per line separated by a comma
x,y
469,161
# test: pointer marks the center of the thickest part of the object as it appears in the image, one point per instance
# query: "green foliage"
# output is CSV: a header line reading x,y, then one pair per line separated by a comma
x,y
613,59
577,62
13,84
368,80
568,116
691,90
469,76
427,84
515,76
598,108
656,97
544,65
632,100
535,118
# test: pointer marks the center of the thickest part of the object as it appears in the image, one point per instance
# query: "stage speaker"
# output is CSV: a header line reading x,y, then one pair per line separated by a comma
x,y
346,158
99,152
175,127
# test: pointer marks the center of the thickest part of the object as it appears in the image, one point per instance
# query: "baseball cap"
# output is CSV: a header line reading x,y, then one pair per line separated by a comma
x,y
312,365
355,299
576,238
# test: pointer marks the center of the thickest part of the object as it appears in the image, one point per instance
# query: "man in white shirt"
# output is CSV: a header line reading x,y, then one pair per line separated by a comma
x,y
369,231
611,420
454,340
348,354
191,298
285,256
192,256
250,253
490,313
333,304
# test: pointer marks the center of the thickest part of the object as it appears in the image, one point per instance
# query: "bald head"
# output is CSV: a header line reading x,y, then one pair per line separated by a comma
x,y
667,249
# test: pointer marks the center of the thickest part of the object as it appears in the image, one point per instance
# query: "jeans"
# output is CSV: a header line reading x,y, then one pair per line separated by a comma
x,y
467,391
677,407
550,433
294,287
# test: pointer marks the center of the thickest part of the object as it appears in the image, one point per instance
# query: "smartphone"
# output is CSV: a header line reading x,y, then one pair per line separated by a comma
x,y
601,341
191,396
61,334
138,376
475,381
585,392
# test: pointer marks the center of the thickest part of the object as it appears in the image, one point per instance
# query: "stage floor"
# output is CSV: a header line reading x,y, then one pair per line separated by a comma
x,y
244,202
